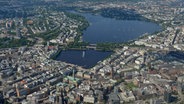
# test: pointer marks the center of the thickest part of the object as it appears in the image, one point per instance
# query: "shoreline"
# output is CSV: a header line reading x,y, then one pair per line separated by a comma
x,y
119,43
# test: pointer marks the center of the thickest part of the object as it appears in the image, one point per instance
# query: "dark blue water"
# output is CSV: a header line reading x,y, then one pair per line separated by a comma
x,y
176,54
103,29
86,59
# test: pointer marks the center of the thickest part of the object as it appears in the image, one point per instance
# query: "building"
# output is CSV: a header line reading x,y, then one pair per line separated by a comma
x,y
1,98
89,99
167,96
127,96
88,75
80,74
72,80
113,99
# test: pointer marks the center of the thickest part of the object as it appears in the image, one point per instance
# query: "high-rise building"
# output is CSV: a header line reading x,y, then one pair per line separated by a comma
x,y
1,98
167,96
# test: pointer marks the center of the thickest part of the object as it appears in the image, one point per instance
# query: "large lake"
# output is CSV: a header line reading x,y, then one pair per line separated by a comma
x,y
103,29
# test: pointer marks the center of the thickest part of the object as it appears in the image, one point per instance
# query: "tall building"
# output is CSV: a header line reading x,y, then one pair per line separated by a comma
x,y
167,96
9,24
1,98
18,33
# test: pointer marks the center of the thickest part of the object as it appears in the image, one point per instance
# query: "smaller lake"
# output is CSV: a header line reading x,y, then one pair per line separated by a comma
x,y
86,59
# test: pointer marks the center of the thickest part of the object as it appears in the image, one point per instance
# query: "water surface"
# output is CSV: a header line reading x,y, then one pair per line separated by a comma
x,y
103,29
86,59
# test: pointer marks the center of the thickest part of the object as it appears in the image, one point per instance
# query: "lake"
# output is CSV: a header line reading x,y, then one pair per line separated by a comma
x,y
86,59
103,29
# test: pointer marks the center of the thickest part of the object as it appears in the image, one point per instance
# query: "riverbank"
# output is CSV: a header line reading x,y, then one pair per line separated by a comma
x,y
55,55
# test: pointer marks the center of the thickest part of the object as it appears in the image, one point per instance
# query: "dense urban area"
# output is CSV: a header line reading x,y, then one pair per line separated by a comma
x,y
147,70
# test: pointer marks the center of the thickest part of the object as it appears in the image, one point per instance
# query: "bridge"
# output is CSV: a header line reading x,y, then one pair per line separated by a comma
x,y
90,46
